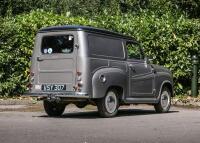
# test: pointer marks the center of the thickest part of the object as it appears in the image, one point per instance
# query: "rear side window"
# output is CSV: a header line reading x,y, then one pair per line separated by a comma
x,y
57,44
105,46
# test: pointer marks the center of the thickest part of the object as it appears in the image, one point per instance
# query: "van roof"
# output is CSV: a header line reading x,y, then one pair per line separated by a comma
x,y
84,28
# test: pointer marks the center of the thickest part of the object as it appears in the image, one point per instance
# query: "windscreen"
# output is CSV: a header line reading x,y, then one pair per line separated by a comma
x,y
57,44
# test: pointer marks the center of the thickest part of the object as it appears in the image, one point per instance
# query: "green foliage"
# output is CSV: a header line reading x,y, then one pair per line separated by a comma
x,y
14,7
89,8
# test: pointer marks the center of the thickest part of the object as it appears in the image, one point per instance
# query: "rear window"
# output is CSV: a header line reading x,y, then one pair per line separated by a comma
x,y
57,44
106,46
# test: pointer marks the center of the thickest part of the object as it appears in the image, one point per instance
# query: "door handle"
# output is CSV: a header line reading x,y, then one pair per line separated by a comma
x,y
153,70
132,67
39,59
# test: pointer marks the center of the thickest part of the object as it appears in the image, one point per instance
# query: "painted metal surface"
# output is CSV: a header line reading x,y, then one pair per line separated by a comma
x,y
92,74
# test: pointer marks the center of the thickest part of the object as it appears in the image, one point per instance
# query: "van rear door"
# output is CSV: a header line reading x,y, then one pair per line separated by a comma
x,y
56,61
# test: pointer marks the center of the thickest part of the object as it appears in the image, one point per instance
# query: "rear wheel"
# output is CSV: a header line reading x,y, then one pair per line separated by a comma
x,y
108,106
53,109
164,102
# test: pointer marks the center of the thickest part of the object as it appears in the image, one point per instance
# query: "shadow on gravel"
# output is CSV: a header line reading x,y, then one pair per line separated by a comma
x,y
121,113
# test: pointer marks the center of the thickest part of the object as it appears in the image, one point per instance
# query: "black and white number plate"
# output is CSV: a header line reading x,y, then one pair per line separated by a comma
x,y
54,87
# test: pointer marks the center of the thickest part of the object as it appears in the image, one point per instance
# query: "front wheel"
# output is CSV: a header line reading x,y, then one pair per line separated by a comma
x,y
108,106
53,109
165,101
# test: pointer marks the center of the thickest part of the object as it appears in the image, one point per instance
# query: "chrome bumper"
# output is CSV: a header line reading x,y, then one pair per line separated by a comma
x,y
58,94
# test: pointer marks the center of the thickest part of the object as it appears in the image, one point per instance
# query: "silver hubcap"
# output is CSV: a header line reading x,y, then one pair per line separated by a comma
x,y
165,99
111,102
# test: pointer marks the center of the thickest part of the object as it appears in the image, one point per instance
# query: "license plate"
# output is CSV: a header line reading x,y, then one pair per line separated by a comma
x,y
54,87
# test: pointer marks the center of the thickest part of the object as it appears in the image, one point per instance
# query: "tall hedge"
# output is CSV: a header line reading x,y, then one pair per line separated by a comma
x,y
190,8
170,41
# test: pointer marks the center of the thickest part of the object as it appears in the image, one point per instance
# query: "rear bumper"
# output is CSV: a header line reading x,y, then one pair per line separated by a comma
x,y
58,94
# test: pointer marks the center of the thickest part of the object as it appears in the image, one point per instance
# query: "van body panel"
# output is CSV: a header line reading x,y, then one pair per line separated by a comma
x,y
105,78
99,61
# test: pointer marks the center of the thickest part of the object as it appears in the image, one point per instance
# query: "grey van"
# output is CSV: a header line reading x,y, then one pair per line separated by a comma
x,y
86,65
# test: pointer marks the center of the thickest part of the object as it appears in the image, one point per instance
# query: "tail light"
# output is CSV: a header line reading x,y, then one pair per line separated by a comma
x,y
32,77
78,73
32,74
30,85
79,81
78,77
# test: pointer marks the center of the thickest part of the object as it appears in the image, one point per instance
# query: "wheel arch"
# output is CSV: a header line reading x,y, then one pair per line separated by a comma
x,y
167,84
170,87
119,89
158,106
115,79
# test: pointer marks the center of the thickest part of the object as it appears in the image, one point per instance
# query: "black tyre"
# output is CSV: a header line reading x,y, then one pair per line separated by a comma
x,y
53,109
108,106
165,101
